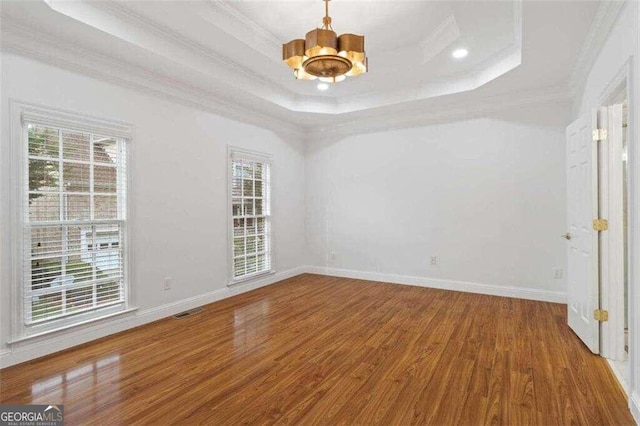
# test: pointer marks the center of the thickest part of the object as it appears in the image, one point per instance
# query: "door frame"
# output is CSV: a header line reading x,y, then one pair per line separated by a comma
x,y
612,290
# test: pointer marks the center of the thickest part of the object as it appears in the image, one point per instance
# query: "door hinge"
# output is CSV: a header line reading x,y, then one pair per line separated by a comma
x,y
600,224
601,315
599,134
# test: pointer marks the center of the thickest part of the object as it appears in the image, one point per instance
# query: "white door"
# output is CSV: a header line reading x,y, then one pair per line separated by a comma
x,y
612,252
582,239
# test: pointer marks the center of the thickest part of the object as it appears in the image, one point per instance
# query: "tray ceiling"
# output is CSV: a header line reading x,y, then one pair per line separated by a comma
x,y
230,50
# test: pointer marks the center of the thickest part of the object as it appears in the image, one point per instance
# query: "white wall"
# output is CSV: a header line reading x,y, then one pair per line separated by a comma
x,y
485,196
179,212
622,47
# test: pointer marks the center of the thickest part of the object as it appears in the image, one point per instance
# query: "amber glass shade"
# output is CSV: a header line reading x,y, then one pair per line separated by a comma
x,y
358,68
321,42
351,46
293,53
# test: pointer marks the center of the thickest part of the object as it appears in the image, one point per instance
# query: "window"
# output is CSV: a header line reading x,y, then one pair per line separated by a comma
x,y
74,225
251,214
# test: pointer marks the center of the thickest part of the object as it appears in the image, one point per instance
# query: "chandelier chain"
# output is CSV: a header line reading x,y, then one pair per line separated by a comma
x,y
326,21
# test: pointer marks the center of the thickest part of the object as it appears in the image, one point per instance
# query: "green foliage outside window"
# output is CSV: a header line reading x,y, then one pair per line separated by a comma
x,y
43,174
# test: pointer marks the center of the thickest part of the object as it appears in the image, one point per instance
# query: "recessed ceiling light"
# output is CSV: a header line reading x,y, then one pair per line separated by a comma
x,y
323,86
460,53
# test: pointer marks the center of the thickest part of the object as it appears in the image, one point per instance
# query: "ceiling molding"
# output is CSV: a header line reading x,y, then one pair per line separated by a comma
x,y
445,34
599,30
69,56
489,69
216,70
120,11
165,32
242,26
54,51
517,22
382,111
411,116
245,21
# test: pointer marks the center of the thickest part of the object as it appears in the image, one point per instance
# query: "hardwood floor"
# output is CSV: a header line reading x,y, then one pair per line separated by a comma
x,y
322,350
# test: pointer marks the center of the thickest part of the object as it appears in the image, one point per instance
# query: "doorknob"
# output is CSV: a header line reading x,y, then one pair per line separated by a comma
x,y
566,236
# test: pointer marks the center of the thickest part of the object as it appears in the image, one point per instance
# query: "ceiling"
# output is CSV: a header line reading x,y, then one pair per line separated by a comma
x,y
228,53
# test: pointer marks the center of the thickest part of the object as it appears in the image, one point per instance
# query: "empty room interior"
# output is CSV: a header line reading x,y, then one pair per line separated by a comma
x,y
315,212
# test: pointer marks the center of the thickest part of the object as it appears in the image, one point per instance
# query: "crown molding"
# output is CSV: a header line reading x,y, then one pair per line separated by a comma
x,y
399,110
492,67
599,30
234,72
164,32
106,68
75,58
255,34
412,116
247,31
72,57
489,69
216,73
247,23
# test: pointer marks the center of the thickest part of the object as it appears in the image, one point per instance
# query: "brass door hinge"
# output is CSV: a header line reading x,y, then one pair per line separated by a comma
x,y
600,224
599,134
601,315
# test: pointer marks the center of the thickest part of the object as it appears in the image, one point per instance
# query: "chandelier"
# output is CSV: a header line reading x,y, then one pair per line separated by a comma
x,y
324,55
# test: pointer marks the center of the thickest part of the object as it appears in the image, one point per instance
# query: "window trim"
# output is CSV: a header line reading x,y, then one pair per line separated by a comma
x,y
255,156
19,113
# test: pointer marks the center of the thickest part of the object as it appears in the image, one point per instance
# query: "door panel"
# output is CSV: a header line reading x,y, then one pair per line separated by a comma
x,y
582,208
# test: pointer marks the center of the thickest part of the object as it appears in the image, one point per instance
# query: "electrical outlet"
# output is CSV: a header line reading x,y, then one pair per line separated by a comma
x,y
332,255
558,273
434,260
167,283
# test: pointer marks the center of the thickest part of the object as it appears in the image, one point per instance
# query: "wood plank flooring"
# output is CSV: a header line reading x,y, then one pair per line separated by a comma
x,y
322,350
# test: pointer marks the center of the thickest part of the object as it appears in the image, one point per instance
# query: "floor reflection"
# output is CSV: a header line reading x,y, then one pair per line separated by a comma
x,y
250,326
66,386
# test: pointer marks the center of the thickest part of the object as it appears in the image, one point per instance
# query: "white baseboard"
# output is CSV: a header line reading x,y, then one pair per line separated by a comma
x,y
464,286
615,367
45,345
634,406
38,347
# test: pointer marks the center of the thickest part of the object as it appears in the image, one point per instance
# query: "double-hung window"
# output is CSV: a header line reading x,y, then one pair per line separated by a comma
x,y
74,224
250,179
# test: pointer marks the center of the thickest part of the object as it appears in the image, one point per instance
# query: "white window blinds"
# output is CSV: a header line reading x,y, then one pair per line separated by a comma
x,y
251,215
74,224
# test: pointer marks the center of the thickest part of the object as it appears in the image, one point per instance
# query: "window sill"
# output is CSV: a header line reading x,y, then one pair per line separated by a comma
x,y
70,326
247,278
